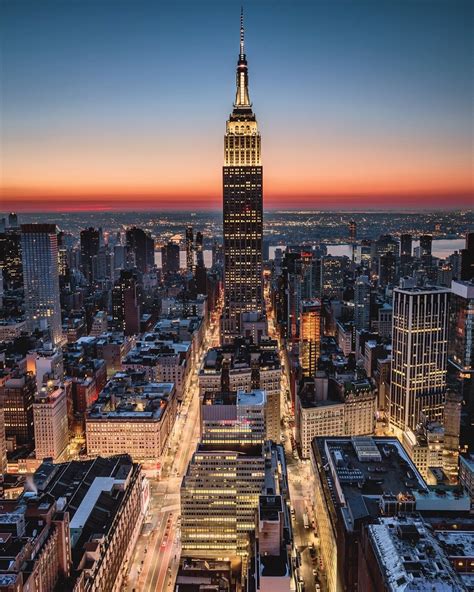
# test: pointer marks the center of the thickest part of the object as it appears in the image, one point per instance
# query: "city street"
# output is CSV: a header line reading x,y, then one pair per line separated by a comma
x,y
300,480
157,552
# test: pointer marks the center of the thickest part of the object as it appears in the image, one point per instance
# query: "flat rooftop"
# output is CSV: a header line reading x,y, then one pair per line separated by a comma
x,y
130,394
410,557
240,355
456,544
359,471
240,449
255,397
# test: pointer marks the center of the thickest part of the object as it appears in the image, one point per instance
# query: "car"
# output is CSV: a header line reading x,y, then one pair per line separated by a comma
x,y
315,572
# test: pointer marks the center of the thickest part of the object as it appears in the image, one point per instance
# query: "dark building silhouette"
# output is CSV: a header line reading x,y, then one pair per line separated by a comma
x,y
467,258
387,269
90,243
126,303
352,231
461,353
426,243
170,258
199,246
10,258
142,245
405,247
17,395
406,242
189,248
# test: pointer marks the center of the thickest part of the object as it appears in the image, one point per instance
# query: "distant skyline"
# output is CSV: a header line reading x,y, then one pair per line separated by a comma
x,y
121,105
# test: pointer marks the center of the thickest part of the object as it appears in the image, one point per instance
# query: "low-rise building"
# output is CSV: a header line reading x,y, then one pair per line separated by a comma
x,y
45,363
50,417
233,418
132,416
35,550
10,329
466,474
113,347
191,329
402,553
458,545
161,360
245,366
273,567
196,575
106,500
346,337
99,324
350,411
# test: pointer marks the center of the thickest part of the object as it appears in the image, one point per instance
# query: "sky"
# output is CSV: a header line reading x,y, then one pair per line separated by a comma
x,y
111,104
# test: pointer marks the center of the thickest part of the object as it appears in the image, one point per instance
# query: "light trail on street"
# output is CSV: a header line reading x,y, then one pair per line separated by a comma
x,y
157,552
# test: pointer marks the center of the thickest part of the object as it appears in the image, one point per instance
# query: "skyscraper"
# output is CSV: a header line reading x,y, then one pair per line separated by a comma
x,y
125,303
142,245
420,355
90,243
426,244
467,258
461,352
170,258
405,248
10,258
310,336
243,207
199,245
189,248
362,303
39,246
352,231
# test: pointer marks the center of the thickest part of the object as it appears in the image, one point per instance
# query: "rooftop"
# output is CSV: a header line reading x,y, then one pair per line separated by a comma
x,y
422,290
241,354
410,557
359,471
130,395
456,544
92,492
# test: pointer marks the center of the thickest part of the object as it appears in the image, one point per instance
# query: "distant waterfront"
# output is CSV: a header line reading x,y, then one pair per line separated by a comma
x,y
442,248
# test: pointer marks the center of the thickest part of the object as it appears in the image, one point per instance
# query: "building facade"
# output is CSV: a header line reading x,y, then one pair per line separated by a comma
x,y
51,423
310,336
419,355
245,366
39,246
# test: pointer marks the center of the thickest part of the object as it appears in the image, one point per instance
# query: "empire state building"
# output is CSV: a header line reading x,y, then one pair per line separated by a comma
x,y
243,208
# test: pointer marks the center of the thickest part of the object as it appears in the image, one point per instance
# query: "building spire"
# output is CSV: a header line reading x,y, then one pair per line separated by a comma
x,y
242,96
242,32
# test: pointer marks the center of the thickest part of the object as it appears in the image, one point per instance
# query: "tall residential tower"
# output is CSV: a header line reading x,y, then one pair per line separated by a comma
x,y
39,246
420,355
243,208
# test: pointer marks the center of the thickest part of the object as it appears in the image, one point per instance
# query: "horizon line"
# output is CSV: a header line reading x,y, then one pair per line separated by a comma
x,y
275,209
